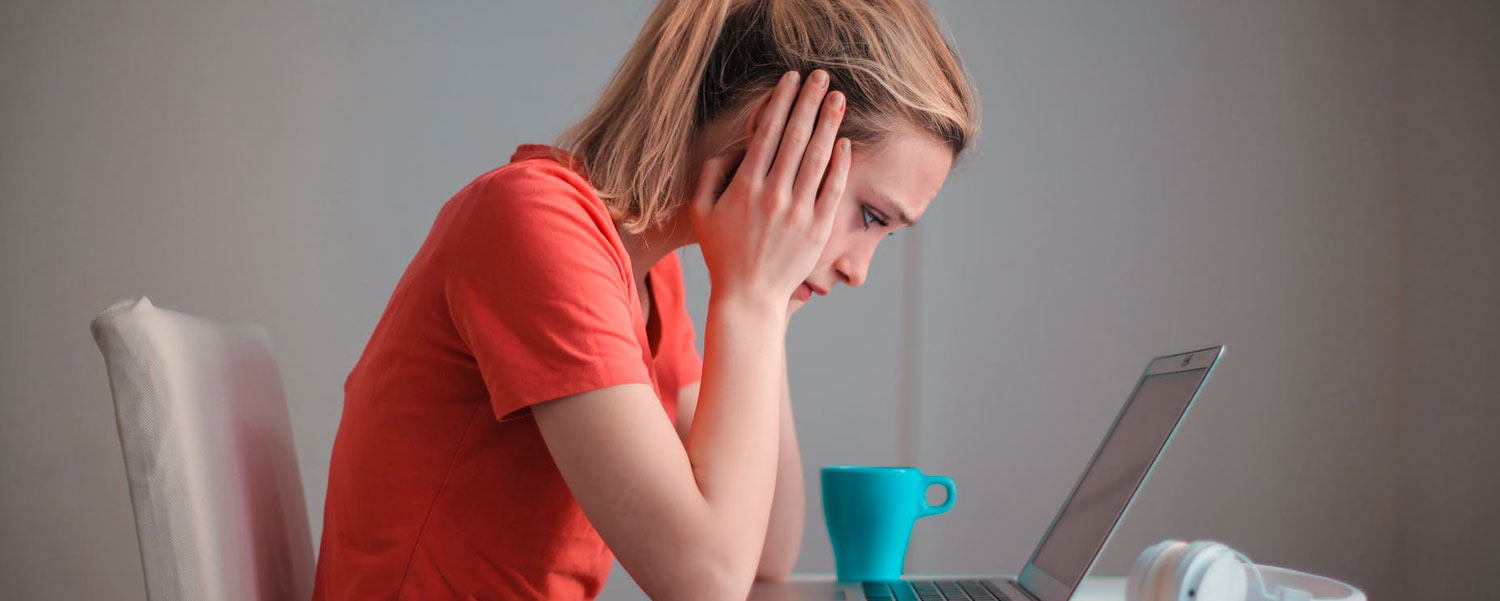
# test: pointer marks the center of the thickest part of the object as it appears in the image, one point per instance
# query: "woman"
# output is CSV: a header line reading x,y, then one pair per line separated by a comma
x,y
510,425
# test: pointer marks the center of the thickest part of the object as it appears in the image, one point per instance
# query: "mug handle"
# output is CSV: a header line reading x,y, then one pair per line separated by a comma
x,y
947,483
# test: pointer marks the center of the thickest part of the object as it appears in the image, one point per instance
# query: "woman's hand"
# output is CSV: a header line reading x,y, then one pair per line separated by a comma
x,y
762,237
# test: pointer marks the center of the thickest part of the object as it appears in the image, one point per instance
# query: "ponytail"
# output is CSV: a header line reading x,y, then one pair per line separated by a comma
x,y
635,143
696,61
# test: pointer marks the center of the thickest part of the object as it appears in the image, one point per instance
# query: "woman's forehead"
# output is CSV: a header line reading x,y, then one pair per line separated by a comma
x,y
909,168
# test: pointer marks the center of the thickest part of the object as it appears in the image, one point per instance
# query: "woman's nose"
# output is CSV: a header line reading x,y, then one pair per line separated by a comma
x,y
852,270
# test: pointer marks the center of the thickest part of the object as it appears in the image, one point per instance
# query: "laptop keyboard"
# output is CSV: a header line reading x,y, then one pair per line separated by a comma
x,y
933,590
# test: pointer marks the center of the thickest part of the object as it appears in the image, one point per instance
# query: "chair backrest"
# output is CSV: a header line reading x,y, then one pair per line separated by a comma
x,y
213,475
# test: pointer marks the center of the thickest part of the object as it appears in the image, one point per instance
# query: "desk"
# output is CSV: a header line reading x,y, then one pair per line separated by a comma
x,y
1101,588
1094,588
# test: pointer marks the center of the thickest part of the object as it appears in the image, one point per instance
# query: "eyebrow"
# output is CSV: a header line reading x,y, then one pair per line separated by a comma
x,y
901,212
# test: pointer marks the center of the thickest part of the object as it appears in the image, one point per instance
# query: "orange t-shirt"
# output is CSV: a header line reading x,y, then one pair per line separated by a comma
x,y
440,486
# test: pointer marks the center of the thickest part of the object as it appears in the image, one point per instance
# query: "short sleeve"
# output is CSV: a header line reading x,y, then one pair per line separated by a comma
x,y
538,289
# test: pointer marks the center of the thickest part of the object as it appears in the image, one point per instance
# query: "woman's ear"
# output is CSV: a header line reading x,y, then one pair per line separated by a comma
x,y
754,117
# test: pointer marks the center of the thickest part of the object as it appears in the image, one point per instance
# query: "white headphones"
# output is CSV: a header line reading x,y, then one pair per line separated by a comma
x,y
1173,570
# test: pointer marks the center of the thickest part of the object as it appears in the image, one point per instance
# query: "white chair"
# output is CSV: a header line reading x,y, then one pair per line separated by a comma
x,y
213,475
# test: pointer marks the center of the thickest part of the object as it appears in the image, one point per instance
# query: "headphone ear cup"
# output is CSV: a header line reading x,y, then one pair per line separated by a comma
x,y
1175,585
1209,572
1223,580
1135,584
1159,574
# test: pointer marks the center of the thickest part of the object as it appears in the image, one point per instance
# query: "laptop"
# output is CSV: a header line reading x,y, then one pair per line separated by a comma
x,y
1088,517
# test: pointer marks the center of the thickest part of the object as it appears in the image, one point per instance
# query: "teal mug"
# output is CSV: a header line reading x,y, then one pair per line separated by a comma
x,y
870,512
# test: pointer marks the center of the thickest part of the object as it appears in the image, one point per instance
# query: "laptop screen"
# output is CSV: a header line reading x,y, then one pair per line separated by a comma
x,y
1117,470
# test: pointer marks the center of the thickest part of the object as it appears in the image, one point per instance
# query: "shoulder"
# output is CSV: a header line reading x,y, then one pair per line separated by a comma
x,y
533,195
535,183
533,212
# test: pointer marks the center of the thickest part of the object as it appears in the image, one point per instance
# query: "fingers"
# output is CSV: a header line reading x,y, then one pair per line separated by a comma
x,y
833,184
798,131
762,148
820,148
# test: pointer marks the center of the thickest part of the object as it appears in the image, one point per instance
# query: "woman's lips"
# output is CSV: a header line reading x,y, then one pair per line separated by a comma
x,y
803,292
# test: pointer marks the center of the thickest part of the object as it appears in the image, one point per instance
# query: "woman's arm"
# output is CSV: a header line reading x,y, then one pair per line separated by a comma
x,y
789,503
689,521
687,404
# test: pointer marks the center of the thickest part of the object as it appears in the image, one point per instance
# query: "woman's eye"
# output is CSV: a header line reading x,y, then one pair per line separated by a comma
x,y
867,216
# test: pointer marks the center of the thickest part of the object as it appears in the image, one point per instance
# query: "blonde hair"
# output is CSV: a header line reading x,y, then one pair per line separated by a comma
x,y
698,60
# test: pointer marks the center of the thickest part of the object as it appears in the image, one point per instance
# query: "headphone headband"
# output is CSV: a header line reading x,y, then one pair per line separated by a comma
x,y
1302,586
1176,571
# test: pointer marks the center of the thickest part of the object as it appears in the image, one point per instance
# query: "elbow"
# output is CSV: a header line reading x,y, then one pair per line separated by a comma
x,y
732,576
773,573
704,559
708,574
714,582
731,583
776,567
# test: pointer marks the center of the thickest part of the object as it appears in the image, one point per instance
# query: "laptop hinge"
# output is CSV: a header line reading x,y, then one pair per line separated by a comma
x,y
1016,585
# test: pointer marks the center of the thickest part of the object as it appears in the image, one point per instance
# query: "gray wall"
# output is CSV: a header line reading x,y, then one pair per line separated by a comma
x,y
1313,184
1452,177
1159,177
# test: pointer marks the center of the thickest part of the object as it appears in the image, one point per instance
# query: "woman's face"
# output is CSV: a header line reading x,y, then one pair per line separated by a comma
x,y
900,177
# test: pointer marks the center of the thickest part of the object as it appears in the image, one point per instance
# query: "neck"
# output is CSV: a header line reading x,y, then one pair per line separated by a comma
x,y
649,247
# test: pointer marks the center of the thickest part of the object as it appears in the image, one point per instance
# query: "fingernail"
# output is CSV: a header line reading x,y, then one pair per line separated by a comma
x,y
838,102
845,144
790,77
819,77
